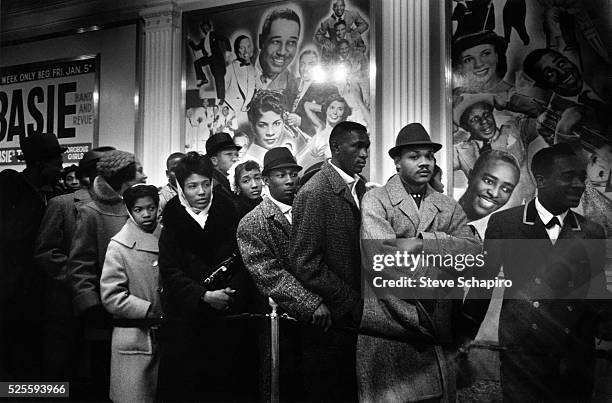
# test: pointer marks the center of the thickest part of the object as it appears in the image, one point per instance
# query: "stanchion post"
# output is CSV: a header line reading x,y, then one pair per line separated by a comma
x,y
274,353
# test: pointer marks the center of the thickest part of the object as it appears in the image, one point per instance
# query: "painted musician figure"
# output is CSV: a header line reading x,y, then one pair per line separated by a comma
x,y
575,108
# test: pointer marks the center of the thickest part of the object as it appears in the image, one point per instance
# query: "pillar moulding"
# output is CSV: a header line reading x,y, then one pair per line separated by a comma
x,y
160,94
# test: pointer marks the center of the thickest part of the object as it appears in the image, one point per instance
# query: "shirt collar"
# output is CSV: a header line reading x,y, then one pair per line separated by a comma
x,y
546,215
284,208
349,180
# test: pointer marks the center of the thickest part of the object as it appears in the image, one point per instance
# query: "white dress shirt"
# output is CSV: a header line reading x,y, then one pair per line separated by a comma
x,y
351,182
284,208
546,216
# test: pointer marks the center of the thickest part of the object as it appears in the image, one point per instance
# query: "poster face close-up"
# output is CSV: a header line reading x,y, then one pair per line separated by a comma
x,y
57,97
527,75
277,74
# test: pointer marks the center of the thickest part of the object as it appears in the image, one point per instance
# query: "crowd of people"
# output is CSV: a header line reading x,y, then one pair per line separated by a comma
x,y
138,293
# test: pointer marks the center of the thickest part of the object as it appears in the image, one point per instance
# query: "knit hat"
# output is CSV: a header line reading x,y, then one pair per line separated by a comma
x,y
112,162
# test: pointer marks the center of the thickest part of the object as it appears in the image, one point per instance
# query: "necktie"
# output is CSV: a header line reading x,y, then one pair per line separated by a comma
x,y
486,147
361,189
553,221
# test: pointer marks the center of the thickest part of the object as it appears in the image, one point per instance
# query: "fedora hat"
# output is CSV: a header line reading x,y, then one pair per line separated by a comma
x,y
218,142
413,134
278,158
40,147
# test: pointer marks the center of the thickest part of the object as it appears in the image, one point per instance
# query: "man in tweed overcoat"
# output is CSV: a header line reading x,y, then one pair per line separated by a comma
x,y
412,217
263,240
326,259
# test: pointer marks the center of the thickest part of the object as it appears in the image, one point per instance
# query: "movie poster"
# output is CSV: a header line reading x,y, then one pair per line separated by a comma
x,y
528,74
57,97
277,74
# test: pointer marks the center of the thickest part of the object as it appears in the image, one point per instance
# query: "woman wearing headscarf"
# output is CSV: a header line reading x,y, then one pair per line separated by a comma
x,y
205,356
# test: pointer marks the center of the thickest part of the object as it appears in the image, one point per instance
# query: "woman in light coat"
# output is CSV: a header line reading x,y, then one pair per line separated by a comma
x,y
130,288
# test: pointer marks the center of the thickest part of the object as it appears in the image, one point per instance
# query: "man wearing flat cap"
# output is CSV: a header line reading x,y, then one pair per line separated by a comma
x,y
23,198
408,215
326,260
263,239
223,154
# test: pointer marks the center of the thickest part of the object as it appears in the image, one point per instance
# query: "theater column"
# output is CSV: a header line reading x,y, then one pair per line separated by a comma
x,y
160,109
406,71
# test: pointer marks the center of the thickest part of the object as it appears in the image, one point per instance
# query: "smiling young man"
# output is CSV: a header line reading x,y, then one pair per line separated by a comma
x,y
326,259
554,258
577,104
474,114
278,43
408,214
490,185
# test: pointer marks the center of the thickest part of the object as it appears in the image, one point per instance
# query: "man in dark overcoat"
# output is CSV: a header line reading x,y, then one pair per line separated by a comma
x,y
23,198
550,314
326,259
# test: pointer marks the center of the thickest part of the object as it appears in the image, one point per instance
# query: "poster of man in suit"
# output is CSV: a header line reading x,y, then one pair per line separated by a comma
x,y
303,64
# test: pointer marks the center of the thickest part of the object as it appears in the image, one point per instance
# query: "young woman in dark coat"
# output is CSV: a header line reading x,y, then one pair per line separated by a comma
x,y
205,356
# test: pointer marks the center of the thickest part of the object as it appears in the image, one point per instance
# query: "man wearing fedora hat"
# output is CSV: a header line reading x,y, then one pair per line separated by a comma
x,y
263,239
409,215
23,198
223,154
326,260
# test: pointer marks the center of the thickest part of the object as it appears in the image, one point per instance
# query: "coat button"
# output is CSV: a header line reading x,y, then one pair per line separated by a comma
x,y
154,263
160,290
534,326
537,280
536,304
566,330
570,308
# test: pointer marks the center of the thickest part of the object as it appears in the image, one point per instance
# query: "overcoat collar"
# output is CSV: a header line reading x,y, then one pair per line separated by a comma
x,y
133,237
272,212
338,184
421,217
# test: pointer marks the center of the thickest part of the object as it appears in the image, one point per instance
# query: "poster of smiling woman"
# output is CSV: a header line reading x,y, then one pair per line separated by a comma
x,y
526,75
277,74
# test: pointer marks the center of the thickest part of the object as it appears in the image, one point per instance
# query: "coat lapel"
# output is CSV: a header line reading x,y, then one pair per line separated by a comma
x,y
429,209
399,197
338,185
272,212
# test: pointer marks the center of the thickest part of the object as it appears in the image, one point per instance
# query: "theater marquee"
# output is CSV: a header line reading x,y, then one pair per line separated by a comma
x,y
58,97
